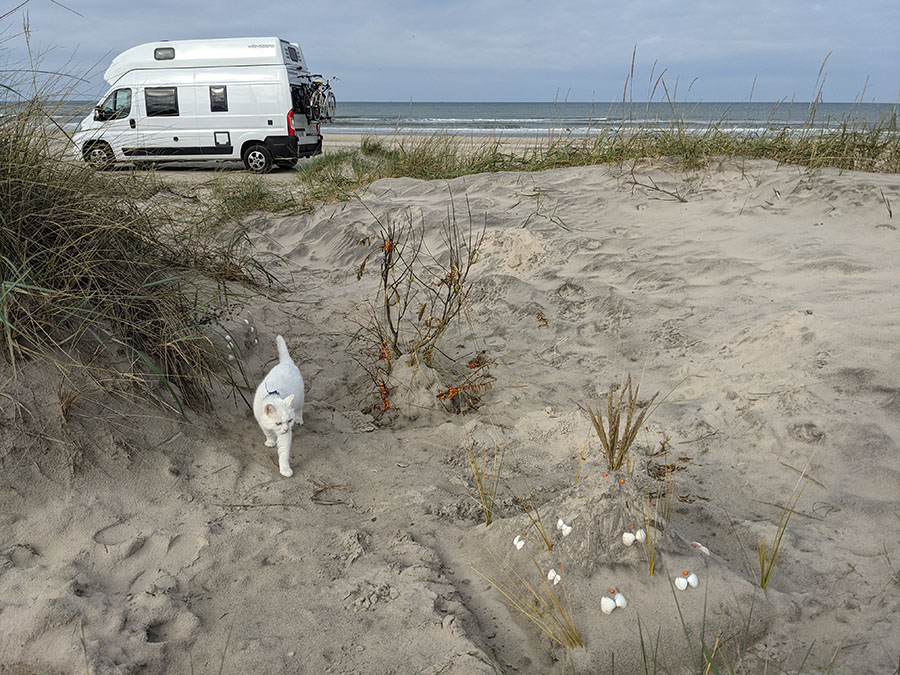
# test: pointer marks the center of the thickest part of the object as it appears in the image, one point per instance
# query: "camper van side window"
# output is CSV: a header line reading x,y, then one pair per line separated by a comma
x,y
293,54
164,53
218,99
161,101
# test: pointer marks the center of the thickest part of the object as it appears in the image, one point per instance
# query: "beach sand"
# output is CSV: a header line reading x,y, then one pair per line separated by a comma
x,y
762,301
507,144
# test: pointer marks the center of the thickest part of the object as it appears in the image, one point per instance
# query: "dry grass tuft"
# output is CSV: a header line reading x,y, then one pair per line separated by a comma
x,y
486,474
539,603
619,434
530,507
768,555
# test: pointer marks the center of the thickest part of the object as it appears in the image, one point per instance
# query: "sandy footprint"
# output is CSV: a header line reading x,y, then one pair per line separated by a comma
x,y
22,556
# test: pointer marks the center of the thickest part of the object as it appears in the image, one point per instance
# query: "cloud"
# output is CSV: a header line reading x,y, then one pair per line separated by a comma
x,y
525,50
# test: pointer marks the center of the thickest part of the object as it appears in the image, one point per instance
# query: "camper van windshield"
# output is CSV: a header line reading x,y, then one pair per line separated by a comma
x,y
116,106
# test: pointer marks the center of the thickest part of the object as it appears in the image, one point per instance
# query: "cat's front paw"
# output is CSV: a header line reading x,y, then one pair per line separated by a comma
x,y
271,444
287,473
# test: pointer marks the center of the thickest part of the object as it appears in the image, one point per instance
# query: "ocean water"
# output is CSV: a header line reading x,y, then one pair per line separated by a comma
x,y
571,119
583,119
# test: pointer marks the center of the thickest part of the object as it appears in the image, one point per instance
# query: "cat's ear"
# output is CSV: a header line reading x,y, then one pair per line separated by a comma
x,y
269,409
289,399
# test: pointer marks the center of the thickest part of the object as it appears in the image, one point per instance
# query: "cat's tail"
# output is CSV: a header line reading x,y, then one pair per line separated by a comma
x,y
283,355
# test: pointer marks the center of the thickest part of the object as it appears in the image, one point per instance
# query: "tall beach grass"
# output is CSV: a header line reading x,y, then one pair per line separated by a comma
x,y
851,146
91,273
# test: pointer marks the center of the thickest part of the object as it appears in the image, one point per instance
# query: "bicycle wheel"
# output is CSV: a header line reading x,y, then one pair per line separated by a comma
x,y
315,105
330,107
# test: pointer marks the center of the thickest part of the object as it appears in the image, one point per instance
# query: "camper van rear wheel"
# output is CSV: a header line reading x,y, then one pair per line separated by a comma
x,y
258,159
99,156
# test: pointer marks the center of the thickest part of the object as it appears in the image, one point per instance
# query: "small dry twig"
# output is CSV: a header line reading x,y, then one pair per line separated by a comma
x,y
320,485
634,182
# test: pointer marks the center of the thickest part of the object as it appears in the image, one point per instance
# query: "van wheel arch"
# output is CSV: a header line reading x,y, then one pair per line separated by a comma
x,y
257,158
98,155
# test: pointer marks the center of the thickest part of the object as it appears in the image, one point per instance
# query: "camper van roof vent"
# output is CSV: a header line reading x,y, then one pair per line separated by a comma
x,y
164,53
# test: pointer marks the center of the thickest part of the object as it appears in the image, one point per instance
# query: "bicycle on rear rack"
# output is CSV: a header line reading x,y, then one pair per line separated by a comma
x,y
321,104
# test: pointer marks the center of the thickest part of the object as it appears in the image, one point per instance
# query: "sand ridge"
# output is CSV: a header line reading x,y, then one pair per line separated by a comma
x,y
766,302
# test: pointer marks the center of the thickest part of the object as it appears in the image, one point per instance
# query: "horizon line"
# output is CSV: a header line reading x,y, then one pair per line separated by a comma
x,y
565,103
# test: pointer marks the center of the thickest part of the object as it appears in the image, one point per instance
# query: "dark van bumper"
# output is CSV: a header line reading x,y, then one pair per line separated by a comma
x,y
288,147
311,149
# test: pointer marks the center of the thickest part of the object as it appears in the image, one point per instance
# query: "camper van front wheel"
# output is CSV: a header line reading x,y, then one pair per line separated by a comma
x,y
99,156
258,159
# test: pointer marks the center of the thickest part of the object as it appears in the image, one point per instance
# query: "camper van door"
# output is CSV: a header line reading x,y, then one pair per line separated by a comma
x,y
115,120
168,127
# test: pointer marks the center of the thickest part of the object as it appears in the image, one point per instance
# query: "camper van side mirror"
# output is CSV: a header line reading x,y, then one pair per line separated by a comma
x,y
99,115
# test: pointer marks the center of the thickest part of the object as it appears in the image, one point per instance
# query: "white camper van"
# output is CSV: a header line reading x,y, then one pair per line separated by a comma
x,y
233,98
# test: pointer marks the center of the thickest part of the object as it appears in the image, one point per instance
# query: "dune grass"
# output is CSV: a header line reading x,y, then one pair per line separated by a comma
x,y
530,507
90,272
619,433
851,146
231,200
538,602
486,474
768,553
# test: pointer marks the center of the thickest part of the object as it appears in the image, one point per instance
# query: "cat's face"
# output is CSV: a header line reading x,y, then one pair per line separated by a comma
x,y
280,414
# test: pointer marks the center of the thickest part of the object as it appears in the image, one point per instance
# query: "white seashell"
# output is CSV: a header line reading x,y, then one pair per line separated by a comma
x,y
252,329
621,601
246,321
641,536
681,583
692,580
518,542
700,547
567,530
228,336
628,538
607,604
231,357
560,524
553,576
255,341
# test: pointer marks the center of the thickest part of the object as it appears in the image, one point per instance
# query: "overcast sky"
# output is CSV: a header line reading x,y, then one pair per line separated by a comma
x,y
501,50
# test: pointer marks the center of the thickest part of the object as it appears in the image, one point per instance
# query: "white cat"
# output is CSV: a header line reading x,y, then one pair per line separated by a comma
x,y
278,405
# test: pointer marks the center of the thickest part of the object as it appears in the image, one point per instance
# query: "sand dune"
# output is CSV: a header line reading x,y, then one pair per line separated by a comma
x,y
762,301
